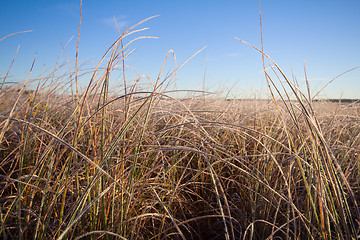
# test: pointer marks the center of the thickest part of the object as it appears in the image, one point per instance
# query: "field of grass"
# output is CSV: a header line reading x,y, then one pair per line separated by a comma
x,y
140,163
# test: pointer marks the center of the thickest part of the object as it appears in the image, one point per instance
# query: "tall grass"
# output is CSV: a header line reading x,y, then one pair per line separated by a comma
x,y
138,163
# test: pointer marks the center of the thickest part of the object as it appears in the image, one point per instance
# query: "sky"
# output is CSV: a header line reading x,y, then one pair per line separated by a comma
x,y
322,34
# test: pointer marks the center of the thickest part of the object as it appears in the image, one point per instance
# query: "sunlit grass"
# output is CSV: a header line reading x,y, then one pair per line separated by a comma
x,y
139,163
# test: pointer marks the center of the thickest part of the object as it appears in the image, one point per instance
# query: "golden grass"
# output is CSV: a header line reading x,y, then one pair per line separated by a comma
x,y
141,164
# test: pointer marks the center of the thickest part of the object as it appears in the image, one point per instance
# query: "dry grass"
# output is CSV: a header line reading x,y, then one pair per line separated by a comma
x,y
140,164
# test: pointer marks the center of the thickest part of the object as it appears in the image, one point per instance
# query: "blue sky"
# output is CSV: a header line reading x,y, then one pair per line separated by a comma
x,y
324,34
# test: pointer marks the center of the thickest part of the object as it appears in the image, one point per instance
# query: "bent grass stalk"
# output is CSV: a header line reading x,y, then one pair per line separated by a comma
x,y
324,163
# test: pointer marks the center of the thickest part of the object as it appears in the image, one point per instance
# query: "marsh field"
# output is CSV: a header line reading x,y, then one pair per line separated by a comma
x,y
139,162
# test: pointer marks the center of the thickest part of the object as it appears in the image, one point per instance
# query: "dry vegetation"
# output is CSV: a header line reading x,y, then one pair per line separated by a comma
x,y
141,164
